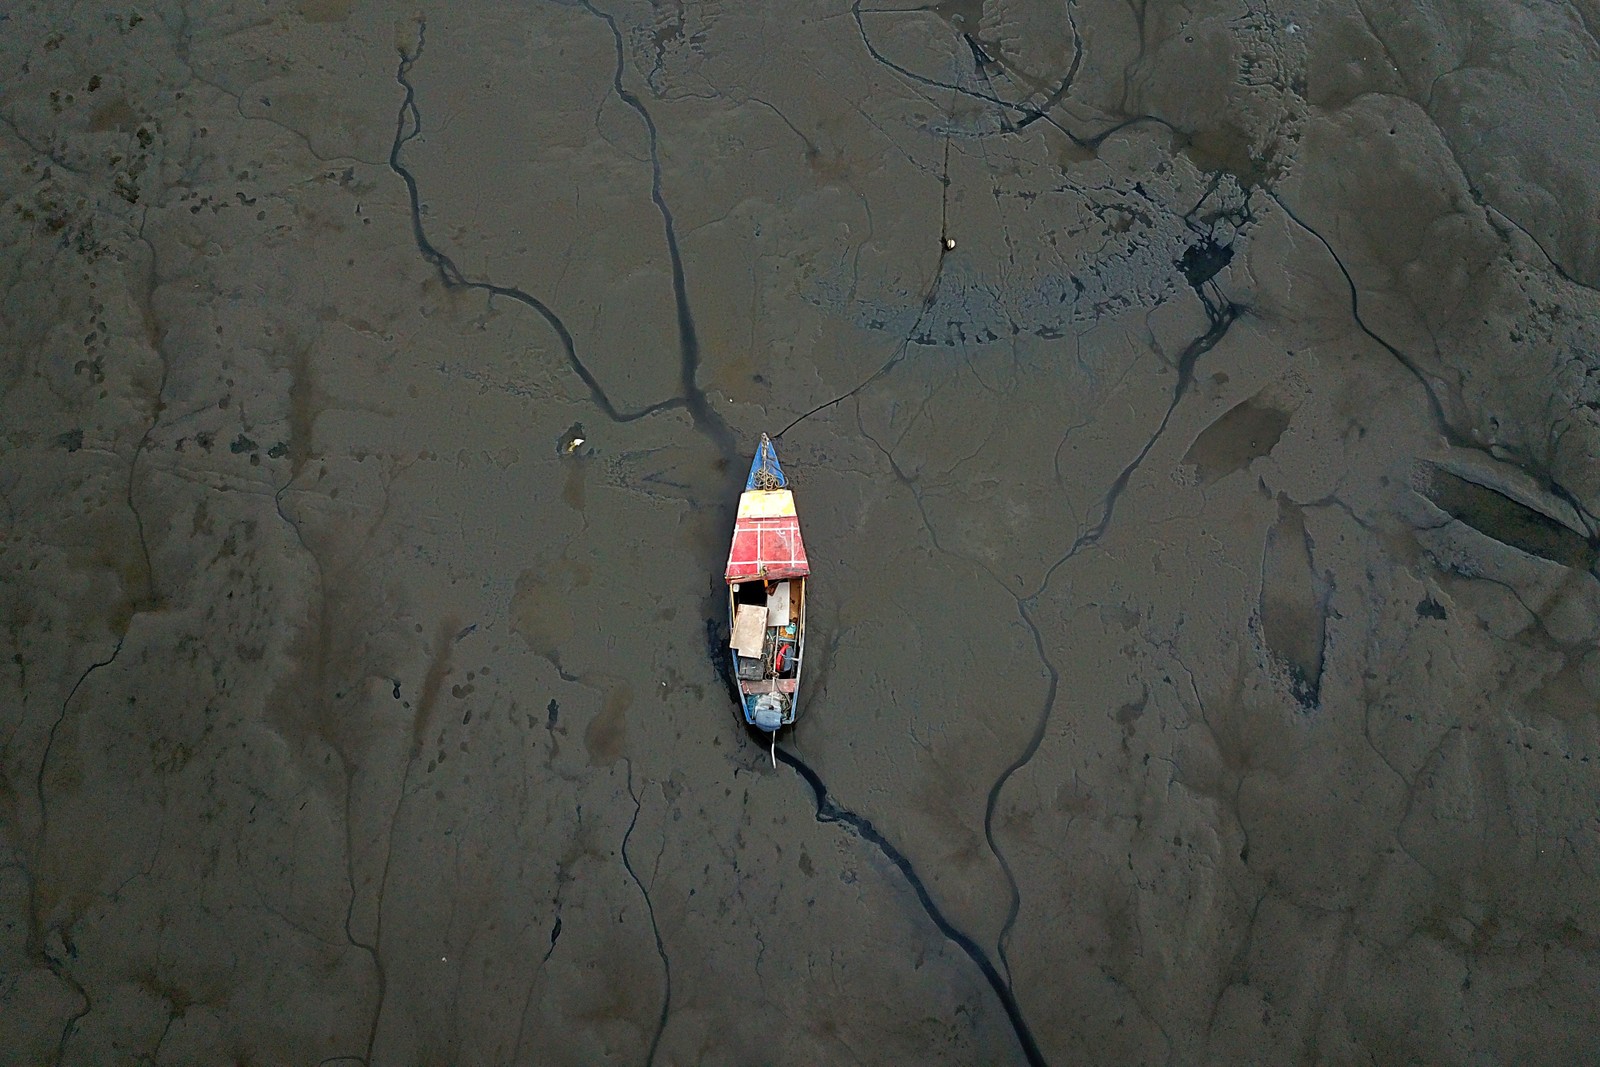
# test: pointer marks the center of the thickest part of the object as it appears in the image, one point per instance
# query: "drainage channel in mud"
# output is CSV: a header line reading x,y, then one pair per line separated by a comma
x,y
830,811
408,126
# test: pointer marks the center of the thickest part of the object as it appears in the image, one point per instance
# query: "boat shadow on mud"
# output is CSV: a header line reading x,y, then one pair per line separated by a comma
x,y
717,654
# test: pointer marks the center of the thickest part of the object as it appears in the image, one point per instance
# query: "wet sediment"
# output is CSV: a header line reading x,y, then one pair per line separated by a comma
x,y
1192,419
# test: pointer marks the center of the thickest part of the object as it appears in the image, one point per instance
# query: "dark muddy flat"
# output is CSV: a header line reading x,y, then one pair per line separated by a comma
x,y
1197,420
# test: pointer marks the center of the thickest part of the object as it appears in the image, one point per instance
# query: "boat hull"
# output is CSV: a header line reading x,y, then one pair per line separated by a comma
x,y
776,670
766,577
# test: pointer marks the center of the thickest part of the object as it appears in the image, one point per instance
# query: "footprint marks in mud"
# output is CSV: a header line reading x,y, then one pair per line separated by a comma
x,y
1243,434
1497,515
1294,604
1294,597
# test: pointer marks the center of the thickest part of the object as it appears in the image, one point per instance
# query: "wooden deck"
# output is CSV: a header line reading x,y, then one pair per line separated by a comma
x,y
756,688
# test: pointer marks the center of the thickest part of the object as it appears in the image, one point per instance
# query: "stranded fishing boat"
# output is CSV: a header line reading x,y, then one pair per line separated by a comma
x,y
766,577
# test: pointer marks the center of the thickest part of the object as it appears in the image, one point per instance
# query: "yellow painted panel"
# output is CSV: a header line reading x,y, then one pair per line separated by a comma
x,y
765,503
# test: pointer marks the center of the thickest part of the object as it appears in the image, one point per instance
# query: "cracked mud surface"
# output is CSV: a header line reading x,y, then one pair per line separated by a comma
x,y
1194,420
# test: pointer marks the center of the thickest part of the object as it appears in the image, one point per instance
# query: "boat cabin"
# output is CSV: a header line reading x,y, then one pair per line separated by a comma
x,y
765,635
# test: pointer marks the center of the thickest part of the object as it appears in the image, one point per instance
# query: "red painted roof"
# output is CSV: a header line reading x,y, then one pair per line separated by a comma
x,y
769,548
